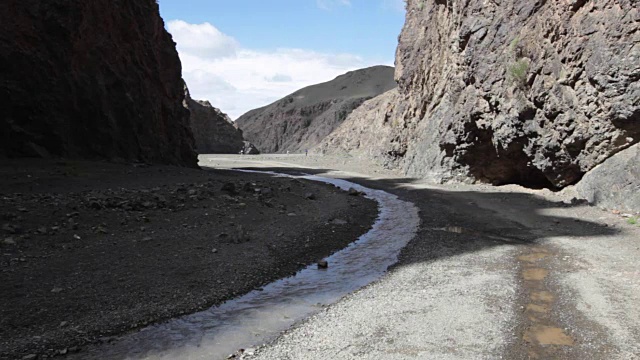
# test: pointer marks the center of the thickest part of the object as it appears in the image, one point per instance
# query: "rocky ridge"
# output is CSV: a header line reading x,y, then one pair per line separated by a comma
x,y
213,130
302,119
91,79
532,93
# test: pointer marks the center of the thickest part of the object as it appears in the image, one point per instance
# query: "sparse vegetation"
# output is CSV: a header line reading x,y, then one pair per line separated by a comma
x,y
518,72
632,221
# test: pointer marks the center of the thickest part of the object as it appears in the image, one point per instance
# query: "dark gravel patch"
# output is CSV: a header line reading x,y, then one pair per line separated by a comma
x,y
92,250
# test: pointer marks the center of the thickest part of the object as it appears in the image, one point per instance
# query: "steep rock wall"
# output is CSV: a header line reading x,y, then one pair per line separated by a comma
x,y
213,130
507,91
91,79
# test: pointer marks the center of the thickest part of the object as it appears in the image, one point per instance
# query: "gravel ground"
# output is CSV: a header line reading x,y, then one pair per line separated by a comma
x,y
495,272
92,250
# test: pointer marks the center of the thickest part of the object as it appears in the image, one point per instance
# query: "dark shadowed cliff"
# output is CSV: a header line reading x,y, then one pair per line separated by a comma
x,y
91,79
301,120
530,92
213,130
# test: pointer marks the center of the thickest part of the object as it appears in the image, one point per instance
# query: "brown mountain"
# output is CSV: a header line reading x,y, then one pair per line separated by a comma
x,y
301,120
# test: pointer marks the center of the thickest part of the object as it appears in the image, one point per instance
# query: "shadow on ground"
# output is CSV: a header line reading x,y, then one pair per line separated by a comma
x,y
454,222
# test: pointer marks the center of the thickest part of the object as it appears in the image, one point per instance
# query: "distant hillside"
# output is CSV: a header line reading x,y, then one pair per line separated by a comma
x,y
213,131
303,119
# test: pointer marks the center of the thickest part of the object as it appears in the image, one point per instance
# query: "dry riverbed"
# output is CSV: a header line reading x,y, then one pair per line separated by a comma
x,y
493,273
91,250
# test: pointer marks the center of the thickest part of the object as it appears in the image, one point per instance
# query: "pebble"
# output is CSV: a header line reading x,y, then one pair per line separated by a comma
x,y
323,264
9,241
310,196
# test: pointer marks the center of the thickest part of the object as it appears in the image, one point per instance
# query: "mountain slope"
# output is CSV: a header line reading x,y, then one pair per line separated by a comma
x,y
301,120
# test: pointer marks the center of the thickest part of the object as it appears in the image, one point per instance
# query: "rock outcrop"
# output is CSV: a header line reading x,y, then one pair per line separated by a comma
x,y
91,79
529,92
614,184
301,120
213,130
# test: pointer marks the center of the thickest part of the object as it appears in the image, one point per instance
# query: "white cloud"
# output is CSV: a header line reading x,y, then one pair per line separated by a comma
x,y
328,4
236,79
202,39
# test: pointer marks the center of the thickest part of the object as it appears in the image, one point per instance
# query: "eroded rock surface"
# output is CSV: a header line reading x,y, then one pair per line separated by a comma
x,y
614,184
213,130
301,120
91,79
529,92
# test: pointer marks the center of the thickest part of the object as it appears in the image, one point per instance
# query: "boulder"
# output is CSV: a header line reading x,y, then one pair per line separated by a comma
x,y
614,184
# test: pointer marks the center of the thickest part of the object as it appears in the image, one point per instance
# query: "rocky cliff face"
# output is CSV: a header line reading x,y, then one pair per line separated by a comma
x,y
512,91
301,120
213,130
91,79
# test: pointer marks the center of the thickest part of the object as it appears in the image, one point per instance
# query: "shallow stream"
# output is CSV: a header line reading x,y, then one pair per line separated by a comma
x,y
261,315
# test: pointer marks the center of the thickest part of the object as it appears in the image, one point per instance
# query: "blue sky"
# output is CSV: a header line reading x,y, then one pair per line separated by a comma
x,y
242,54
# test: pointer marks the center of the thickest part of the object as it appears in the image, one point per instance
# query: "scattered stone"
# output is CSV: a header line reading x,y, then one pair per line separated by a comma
x,y
214,251
95,205
12,228
229,188
56,290
354,192
9,241
323,264
30,357
223,235
576,201
310,196
77,237
339,222
63,351
249,187
64,323
292,214
147,238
